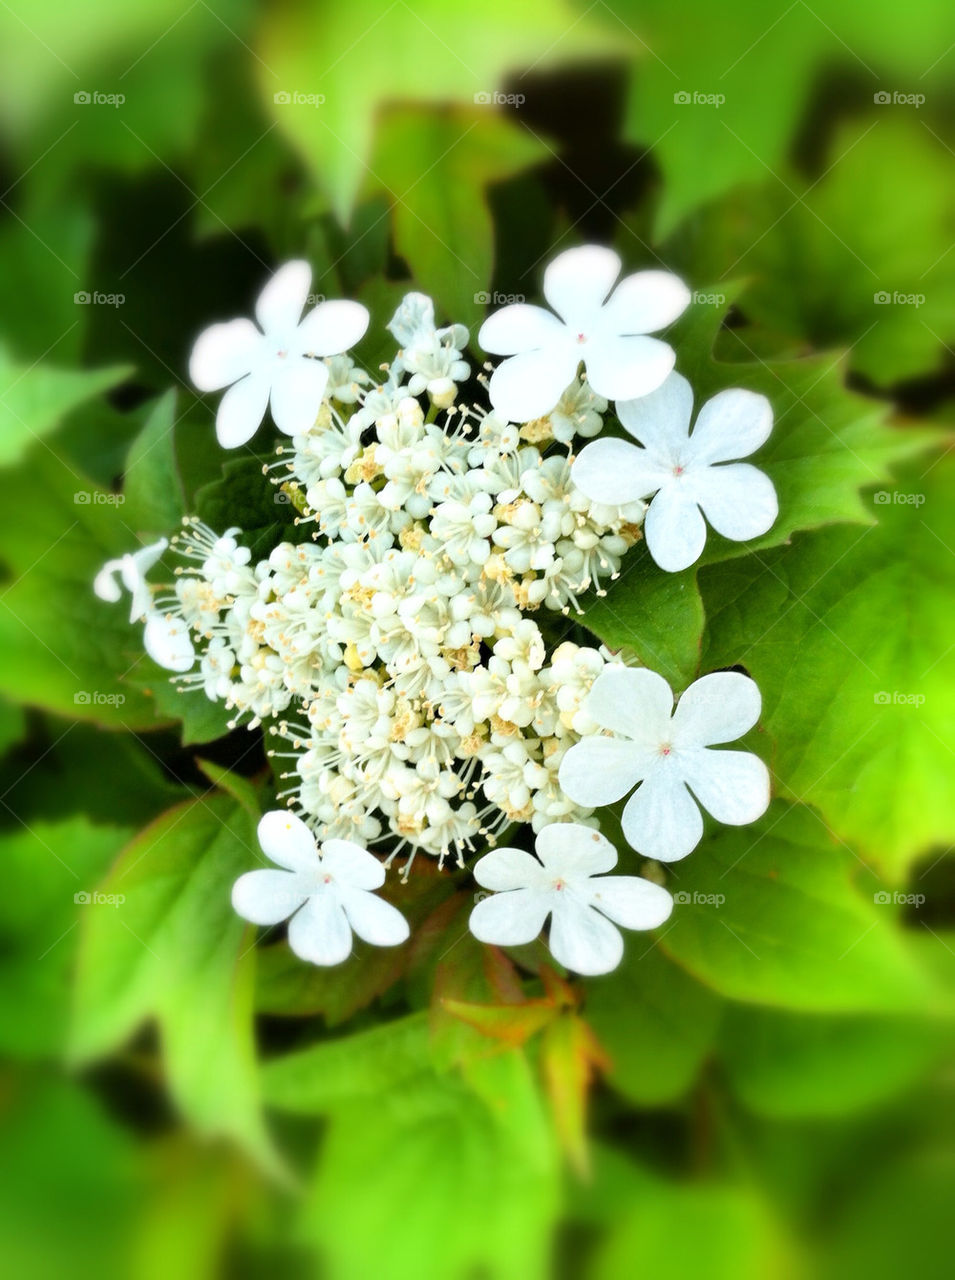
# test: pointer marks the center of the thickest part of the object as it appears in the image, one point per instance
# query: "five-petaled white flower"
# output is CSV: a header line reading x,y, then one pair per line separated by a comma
x,y
274,366
686,472
166,637
607,334
328,888
669,753
566,884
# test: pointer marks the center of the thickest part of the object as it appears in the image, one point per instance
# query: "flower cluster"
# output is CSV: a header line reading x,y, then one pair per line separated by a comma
x,y
409,644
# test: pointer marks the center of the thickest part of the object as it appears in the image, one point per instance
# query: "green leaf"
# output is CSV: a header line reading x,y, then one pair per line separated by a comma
x,y
12,725
52,321
467,52
155,502
656,1023
848,635
768,914
849,262
429,1161
35,397
243,496
65,650
764,64
655,616
66,1151
200,719
50,872
660,1235
795,1065
173,949
437,167
359,1067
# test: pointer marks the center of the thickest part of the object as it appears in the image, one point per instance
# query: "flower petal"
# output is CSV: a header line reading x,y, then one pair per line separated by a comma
x,y
527,386
223,353
738,499
168,642
632,701
503,869
519,327
287,841
733,786
352,865
510,919
616,472
598,771
732,425
583,940
631,901
571,850
577,281
645,302
623,368
320,932
266,897
716,708
332,327
374,919
661,819
241,410
105,585
674,529
280,303
297,392
661,420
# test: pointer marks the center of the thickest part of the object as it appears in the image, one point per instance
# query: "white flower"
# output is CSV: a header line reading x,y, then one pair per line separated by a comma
x,y
432,356
608,336
566,885
684,471
668,751
274,366
166,637
132,569
329,890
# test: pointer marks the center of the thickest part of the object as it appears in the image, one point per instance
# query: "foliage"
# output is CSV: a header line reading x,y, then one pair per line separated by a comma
x,y
762,1088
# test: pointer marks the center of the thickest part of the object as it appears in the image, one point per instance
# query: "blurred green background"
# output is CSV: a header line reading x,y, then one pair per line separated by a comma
x,y
764,1091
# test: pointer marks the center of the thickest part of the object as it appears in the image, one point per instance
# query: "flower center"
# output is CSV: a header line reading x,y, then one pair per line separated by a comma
x,y
678,470
281,354
581,337
560,884
665,748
